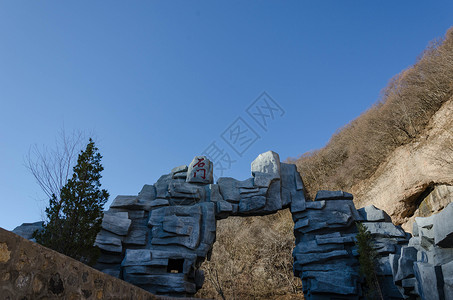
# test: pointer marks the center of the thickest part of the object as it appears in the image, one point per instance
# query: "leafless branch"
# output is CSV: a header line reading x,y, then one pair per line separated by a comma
x,y
51,168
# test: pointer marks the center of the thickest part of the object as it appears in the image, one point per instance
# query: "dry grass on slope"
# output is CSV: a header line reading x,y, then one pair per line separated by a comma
x,y
406,106
252,259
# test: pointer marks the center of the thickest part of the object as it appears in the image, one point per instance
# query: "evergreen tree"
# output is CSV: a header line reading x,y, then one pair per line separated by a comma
x,y
75,220
367,255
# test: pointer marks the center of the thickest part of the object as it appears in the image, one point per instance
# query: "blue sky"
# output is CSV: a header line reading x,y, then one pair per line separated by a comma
x,y
159,81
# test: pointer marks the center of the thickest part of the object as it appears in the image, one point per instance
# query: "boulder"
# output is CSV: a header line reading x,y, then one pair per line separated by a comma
x,y
200,170
301,223
26,230
438,255
182,168
443,227
108,258
384,247
184,193
384,229
131,202
147,193
383,266
162,186
124,202
117,222
263,179
248,183
427,280
299,183
372,214
267,163
108,243
158,203
406,263
308,247
252,204
229,189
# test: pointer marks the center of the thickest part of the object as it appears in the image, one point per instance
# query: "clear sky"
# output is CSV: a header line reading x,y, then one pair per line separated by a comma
x,y
159,81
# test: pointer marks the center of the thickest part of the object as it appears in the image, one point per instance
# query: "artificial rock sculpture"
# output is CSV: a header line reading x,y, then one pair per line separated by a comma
x,y
388,239
324,256
424,268
159,238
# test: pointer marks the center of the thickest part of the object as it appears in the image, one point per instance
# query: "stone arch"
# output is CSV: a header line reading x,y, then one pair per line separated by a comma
x,y
159,238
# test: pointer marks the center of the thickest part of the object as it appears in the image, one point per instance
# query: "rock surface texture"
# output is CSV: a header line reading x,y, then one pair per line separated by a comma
x,y
424,268
410,171
26,230
388,239
31,271
324,256
159,238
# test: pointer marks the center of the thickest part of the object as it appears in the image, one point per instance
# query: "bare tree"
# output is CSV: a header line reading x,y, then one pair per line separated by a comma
x,y
52,167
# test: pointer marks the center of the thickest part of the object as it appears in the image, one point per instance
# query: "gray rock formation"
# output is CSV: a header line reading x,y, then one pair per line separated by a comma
x,y
200,170
26,230
159,238
324,256
387,240
423,269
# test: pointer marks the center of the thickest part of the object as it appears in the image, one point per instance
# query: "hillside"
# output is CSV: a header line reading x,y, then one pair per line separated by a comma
x,y
392,156
401,117
395,153
412,171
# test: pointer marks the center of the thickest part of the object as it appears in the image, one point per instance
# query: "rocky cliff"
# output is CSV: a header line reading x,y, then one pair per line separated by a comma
x,y
414,180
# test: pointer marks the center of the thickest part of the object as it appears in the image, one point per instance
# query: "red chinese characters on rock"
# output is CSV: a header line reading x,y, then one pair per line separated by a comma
x,y
200,170
200,164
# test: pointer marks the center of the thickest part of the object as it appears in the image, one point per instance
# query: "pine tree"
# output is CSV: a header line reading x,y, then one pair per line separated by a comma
x,y
367,255
74,220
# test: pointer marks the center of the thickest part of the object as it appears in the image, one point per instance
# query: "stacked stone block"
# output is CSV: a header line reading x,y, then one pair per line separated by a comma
x,y
159,238
424,268
387,239
324,256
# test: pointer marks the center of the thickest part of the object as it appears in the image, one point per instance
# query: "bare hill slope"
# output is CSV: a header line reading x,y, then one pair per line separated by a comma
x,y
399,184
